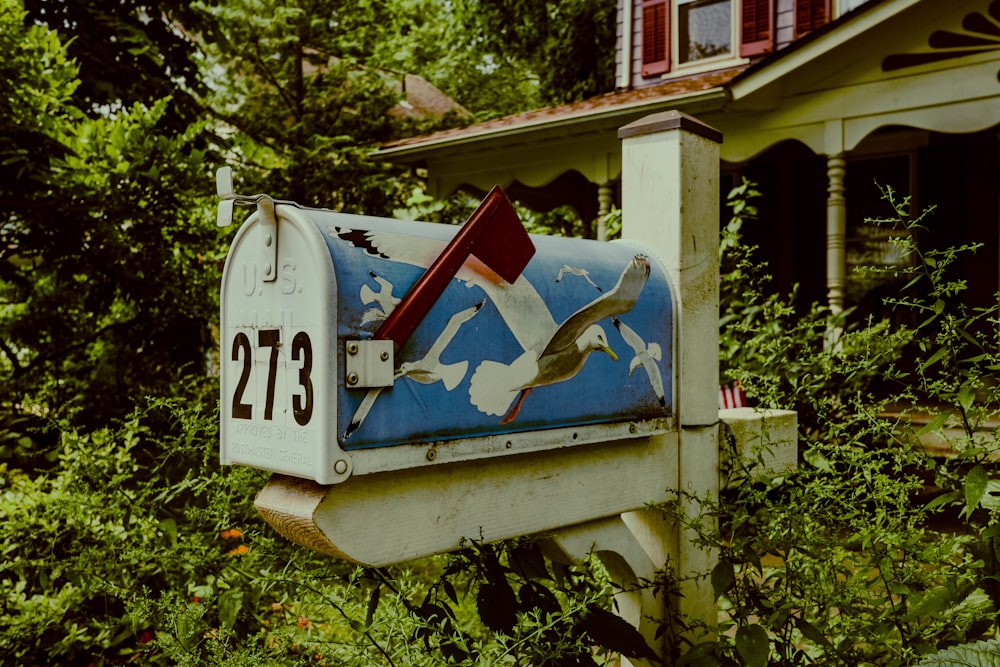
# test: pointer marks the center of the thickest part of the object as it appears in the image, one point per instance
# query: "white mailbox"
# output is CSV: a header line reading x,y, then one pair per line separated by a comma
x,y
573,349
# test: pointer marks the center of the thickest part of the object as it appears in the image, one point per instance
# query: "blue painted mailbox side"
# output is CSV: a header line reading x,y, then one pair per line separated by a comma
x,y
462,373
494,368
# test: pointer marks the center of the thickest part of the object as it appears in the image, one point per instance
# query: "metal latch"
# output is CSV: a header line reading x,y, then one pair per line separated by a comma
x,y
369,363
267,219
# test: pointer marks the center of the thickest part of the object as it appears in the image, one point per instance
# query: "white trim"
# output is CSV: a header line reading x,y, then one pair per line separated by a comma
x,y
816,48
628,27
677,68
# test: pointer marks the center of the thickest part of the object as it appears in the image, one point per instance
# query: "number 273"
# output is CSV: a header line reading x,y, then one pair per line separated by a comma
x,y
302,404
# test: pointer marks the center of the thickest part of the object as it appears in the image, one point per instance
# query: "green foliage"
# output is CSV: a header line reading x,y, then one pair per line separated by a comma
x,y
108,256
979,654
568,45
127,52
875,550
307,107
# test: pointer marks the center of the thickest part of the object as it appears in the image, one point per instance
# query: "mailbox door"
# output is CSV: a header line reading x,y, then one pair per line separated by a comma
x,y
278,375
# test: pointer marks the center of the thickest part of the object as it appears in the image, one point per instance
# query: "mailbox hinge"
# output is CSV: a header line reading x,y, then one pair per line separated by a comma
x,y
368,364
269,239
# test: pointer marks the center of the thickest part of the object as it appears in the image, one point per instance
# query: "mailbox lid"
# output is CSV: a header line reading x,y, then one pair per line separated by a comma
x,y
278,322
461,373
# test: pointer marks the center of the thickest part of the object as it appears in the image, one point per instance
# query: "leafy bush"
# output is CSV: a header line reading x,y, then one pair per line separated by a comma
x,y
129,543
874,551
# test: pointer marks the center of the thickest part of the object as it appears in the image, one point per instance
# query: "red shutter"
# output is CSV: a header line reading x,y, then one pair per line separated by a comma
x,y
756,27
655,37
810,14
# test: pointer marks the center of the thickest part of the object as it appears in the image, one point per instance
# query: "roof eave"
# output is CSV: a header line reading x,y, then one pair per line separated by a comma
x,y
699,101
834,34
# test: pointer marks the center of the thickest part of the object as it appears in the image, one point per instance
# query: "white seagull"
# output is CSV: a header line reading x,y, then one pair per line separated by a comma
x,y
562,351
383,298
577,271
646,355
426,370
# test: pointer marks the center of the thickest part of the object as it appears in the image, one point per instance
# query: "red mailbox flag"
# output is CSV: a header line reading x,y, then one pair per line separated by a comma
x,y
493,233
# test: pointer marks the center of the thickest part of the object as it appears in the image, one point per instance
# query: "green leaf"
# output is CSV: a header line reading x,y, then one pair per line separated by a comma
x,y
723,577
169,528
812,633
816,459
966,395
942,500
980,654
753,645
230,603
614,633
935,423
975,487
373,605
934,358
931,603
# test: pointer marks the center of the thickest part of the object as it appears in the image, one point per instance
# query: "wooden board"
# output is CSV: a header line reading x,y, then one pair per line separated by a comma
x,y
401,515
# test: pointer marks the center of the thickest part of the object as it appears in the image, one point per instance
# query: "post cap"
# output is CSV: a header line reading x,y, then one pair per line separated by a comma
x,y
669,120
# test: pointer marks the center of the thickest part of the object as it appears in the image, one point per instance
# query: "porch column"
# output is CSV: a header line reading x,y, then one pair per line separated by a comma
x,y
836,231
605,195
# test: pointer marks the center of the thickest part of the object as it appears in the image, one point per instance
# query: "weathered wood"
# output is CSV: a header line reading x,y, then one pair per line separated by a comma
x,y
768,437
401,515
670,202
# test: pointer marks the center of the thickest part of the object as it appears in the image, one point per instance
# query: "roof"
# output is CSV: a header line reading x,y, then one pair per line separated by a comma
x,y
421,99
584,109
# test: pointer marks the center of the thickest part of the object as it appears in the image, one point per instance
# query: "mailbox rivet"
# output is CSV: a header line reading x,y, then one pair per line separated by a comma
x,y
268,240
267,269
352,378
352,348
632,428
384,356
340,467
431,454
509,444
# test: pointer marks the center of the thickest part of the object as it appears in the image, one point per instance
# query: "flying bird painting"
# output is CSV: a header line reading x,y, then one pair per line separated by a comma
x,y
383,299
426,370
576,271
646,356
495,385
494,356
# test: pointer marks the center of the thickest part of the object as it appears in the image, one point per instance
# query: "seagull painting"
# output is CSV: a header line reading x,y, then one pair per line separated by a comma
x,y
576,271
646,356
429,369
426,370
383,299
523,340
561,352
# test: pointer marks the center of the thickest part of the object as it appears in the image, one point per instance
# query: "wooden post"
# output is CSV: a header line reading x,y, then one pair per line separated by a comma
x,y
670,203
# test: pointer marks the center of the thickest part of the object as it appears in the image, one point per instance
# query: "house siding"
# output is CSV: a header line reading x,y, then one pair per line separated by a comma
x,y
636,59
784,20
619,42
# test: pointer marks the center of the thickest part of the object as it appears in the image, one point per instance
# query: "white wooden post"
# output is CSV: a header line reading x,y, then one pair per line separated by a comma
x,y
670,202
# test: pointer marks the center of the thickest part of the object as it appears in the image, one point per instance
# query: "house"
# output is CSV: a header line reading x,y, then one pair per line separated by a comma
x,y
817,101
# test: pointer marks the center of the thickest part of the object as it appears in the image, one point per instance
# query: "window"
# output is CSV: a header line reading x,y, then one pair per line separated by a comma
x,y
704,29
695,33
756,32
655,37
810,14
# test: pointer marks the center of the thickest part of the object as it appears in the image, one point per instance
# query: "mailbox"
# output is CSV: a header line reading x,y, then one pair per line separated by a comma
x,y
576,349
